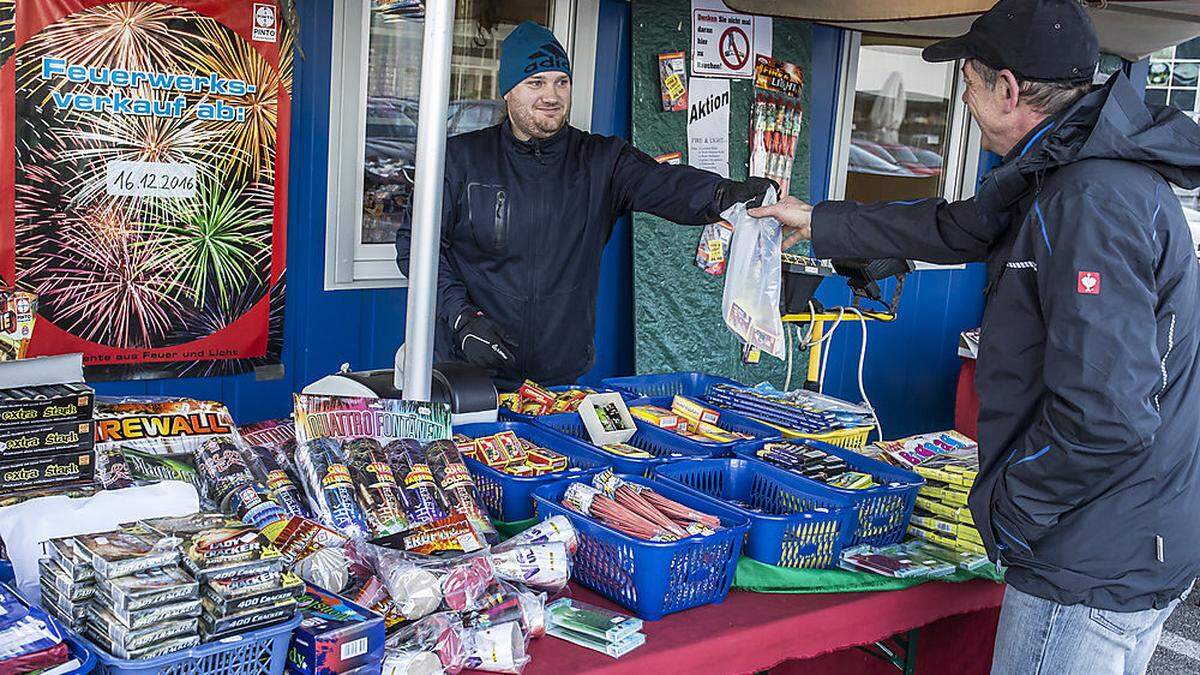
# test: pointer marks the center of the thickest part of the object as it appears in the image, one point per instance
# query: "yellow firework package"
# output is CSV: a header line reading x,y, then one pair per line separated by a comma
x,y
691,410
16,323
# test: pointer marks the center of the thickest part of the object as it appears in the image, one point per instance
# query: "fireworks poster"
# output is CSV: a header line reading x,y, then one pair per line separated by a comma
x,y
143,180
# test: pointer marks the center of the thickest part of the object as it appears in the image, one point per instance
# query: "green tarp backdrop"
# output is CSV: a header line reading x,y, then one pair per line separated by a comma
x,y
678,307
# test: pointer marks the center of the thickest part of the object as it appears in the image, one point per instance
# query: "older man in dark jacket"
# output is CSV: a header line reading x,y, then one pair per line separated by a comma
x,y
528,207
1089,423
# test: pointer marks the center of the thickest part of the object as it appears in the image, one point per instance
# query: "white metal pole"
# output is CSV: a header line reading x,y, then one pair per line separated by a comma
x,y
427,198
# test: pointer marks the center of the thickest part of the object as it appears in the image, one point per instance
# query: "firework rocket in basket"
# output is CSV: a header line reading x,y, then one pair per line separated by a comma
x,y
453,478
637,510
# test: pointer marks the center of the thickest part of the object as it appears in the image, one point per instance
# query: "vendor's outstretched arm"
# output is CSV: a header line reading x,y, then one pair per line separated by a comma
x,y
932,230
452,294
679,193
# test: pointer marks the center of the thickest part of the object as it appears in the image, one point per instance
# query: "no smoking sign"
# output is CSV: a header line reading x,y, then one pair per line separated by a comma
x,y
722,44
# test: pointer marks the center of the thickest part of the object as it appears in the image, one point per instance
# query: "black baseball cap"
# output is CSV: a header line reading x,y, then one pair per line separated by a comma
x,y
1040,40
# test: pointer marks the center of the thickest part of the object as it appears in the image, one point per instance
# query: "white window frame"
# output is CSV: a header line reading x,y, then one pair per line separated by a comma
x,y
350,263
961,168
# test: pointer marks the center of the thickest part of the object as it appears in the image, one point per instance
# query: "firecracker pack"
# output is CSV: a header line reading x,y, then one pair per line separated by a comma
x,y
69,436
40,471
335,636
126,551
239,594
119,639
148,588
46,403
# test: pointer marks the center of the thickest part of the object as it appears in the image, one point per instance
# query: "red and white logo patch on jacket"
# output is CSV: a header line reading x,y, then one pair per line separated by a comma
x,y
1089,283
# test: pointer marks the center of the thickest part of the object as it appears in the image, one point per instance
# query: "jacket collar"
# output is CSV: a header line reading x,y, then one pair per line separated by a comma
x,y
540,148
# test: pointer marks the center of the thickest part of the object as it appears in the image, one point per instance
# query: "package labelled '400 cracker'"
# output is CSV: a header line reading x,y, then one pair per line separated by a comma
x,y
378,468
150,439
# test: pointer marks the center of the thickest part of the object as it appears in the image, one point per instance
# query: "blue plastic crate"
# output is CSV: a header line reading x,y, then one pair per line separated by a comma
x,y
259,652
653,579
664,445
791,524
883,511
729,421
668,384
79,650
510,498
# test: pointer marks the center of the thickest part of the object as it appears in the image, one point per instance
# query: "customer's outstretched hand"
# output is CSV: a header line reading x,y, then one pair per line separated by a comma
x,y
793,214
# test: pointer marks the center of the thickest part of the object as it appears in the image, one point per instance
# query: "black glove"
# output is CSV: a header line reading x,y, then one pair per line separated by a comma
x,y
482,342
751,192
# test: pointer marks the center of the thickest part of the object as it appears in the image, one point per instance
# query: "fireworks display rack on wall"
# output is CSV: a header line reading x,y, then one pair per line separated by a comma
x,y
143,180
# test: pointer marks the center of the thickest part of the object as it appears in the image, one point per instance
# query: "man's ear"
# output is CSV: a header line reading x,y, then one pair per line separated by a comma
x,y
1011,90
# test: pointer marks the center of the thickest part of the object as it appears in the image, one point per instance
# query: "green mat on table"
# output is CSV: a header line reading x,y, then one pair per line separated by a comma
x,y
763,578
507,530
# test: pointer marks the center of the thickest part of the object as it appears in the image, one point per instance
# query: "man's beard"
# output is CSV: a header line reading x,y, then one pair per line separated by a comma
x,y
538,126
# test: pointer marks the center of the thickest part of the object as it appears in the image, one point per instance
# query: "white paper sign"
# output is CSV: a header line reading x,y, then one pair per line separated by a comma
x,y
708,125
150,179
724,42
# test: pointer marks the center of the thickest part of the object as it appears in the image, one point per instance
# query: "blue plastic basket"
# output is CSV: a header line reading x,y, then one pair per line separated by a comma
x,y
260,652
791,524
653,579
668,384
510,498
729,421
883,511
664,445
79,650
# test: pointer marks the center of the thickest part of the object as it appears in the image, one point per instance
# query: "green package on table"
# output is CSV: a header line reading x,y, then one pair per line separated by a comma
x,y
598,622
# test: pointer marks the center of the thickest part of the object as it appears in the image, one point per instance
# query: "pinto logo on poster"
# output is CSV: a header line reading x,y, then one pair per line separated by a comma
x,y
143,185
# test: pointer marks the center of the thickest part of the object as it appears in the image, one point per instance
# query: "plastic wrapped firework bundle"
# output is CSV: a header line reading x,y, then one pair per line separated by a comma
x,y
424,500
269,467
222,463
451,475
379,493
329,486
438,635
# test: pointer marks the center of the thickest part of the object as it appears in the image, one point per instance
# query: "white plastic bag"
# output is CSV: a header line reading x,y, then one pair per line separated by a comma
x,y
750,304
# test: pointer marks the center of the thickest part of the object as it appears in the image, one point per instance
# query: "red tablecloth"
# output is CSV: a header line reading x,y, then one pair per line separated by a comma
x,y
751,632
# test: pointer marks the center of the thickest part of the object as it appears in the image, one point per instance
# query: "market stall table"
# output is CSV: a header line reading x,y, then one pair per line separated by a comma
x,y
751,632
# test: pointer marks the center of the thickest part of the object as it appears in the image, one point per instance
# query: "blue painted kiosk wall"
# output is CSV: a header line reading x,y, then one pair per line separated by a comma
x,y
911,366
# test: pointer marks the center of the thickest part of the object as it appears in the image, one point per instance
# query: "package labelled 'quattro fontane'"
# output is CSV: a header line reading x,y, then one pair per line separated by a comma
x,y
335,635
41,438
45,403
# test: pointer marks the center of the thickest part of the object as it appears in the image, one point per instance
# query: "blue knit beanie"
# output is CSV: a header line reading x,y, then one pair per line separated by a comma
x,y
528,50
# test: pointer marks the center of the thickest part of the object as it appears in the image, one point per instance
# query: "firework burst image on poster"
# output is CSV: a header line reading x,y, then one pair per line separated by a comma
x,y
149,181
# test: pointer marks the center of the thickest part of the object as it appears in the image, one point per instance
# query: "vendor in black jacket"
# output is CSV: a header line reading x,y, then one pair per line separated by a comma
x,y
1089,421
528,207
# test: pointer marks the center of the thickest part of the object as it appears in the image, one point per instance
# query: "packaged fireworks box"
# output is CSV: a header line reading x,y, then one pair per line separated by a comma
x,y
53,577
126,551
225,597
216,547
71,436
148,588
217,628
142,440
46,403
46,470
71,612
119,639
64,552
18,314
276,434
335,635
384,467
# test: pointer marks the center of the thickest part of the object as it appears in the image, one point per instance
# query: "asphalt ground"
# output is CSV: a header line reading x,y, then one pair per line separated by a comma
x,y
1179,649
